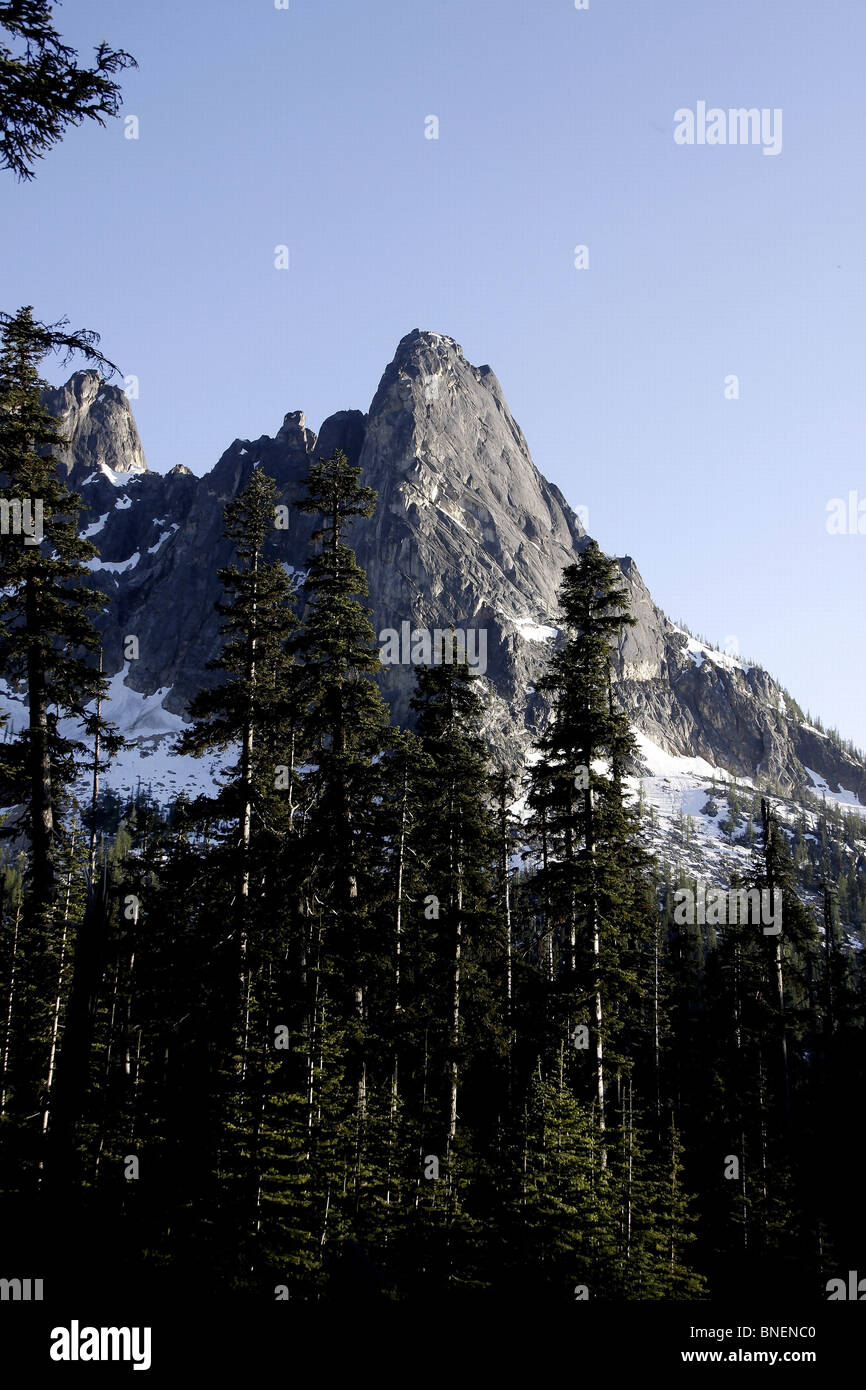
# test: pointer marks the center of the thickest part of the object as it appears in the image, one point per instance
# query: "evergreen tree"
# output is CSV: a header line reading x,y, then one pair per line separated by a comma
x,y
254,707
46,632
42,88
48,644
253,710
344,720
456,840
593,873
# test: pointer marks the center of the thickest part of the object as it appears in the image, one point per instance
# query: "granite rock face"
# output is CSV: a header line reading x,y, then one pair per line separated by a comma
x,y
97,420
466,533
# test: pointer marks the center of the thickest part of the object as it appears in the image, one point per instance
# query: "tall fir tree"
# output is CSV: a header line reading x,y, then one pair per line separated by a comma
x,y
593,876
345,728
49,645
47,637
253,709
456,842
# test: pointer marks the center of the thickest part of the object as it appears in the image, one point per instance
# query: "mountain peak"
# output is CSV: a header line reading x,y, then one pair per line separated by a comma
x,y
96,419
421,338
466,532
294,427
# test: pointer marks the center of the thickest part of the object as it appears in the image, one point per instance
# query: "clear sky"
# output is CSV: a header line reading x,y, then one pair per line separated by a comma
x,y
305,127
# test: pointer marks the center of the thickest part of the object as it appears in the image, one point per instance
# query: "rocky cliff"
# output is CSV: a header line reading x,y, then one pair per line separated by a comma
x,y
466,532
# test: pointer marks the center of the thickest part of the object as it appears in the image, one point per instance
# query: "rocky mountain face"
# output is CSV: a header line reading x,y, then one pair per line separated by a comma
x,y
95,417
466,533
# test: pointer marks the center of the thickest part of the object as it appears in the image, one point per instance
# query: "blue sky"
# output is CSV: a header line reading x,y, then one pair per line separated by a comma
x,y
306,127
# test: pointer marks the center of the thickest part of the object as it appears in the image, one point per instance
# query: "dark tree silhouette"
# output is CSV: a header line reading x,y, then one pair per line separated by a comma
x,y
42,88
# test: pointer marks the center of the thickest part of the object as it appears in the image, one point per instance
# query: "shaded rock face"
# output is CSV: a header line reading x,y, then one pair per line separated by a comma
x,y
96,418
466,533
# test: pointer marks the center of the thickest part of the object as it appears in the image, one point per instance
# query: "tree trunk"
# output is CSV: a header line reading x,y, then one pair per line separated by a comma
x,y
398,930
595,925
74,1061
94,790
41,808
10,1004
769,857
243,890
456,914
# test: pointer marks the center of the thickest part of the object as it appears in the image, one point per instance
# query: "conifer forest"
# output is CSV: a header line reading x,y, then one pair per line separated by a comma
x,y
402,915
384,1017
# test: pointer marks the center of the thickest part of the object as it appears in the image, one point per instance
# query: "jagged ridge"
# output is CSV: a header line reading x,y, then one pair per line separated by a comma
x,y
466,531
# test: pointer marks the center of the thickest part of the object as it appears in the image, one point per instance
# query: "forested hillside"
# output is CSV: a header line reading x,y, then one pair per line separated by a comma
x,y
390,1016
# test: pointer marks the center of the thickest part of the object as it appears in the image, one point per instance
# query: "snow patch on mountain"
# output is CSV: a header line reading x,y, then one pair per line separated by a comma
x,y
671,766
115,566
842,797
151,760
95,527
700,652
13,705
152,763
534,632
152,549
452,517
116,479
137,714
